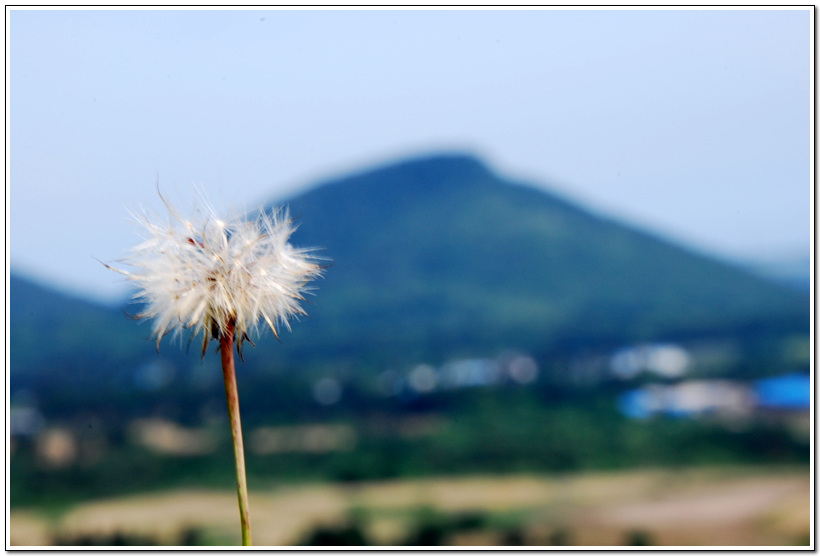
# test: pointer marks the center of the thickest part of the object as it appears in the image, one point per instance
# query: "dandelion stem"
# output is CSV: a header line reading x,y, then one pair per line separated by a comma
x,y
226,345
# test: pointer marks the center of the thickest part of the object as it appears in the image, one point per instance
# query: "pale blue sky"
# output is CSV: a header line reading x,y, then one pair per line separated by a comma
x,y
694,124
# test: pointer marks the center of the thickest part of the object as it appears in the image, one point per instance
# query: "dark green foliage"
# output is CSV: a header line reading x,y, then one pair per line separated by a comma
x,y
560,537
427,527
513,536
100,539
350,533
188,537
638,537
434,528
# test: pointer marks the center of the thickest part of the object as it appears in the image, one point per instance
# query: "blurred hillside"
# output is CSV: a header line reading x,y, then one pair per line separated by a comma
x,y
439,257
794,271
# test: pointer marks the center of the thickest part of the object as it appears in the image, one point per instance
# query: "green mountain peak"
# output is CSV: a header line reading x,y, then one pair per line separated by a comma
x,y
439,253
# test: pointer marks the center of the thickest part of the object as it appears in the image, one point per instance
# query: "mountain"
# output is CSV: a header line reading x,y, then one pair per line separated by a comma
x,y
433,258
794,272
440,254
52,333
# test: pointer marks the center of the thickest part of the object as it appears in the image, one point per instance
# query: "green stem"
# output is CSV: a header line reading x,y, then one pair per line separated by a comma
x,y
226,344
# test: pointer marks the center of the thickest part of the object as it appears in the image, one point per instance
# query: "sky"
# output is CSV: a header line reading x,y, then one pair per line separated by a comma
x,y
694,124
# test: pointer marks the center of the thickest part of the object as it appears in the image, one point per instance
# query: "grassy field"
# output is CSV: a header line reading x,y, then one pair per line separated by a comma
x,y
737,506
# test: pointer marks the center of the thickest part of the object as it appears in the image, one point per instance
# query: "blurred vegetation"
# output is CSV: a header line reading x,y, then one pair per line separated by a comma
x,y
188,537
501,430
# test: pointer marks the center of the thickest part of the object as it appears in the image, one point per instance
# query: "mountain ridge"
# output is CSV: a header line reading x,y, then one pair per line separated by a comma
x,y
439,256
418,234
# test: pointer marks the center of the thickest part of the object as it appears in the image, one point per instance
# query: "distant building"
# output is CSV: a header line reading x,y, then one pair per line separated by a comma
x,y
784,395
56,447
511,367
667,360
786,401
689,398
791,392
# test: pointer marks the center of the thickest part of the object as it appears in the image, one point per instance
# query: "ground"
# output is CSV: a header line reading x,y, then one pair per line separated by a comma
x,y
687,507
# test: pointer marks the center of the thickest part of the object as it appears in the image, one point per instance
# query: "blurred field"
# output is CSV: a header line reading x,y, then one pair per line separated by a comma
x,y
687,507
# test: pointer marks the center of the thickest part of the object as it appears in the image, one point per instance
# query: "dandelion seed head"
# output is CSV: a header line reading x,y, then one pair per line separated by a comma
x,y
203,276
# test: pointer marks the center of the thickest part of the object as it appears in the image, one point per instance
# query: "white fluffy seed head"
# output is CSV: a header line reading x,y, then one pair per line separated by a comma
x,y
210,276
